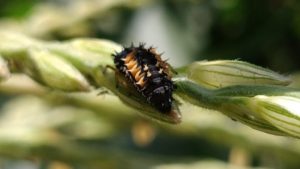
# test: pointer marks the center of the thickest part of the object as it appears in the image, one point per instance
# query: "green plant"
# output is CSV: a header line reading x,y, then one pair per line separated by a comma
x,y
247,93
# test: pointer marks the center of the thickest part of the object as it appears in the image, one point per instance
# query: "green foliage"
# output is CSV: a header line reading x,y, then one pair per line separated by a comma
x,y
79,64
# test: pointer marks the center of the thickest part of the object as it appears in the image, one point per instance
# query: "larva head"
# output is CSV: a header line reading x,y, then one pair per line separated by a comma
x,y
161,99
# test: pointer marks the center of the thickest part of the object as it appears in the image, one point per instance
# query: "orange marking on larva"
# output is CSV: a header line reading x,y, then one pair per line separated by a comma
x,y
143,74
137,75
134,70
129,57
141,82
130,64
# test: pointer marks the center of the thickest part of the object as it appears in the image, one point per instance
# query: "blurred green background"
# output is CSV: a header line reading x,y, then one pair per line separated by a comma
x,y
84,131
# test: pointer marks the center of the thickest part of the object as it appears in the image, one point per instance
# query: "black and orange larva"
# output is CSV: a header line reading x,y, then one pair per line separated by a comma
x,y
149,74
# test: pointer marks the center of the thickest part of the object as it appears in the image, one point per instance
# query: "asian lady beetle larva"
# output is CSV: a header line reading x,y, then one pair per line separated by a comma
x,y
149,74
